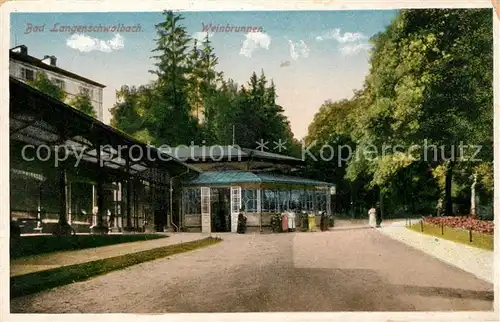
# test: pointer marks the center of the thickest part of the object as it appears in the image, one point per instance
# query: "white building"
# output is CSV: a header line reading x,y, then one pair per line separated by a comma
x,y
24,67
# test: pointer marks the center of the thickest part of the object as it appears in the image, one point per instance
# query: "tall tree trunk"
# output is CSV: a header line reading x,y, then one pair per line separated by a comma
x,y
473,195
448,202
381,200
405,191
351,205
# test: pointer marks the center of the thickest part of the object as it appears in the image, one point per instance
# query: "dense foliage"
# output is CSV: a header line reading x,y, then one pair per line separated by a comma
x,y
190,101
81,102
44,84
429,87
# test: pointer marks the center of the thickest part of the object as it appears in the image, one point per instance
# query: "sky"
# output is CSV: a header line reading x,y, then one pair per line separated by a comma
x,y
312,56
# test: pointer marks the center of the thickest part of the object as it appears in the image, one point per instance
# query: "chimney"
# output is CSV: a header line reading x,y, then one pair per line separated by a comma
x,y
51,60
23,49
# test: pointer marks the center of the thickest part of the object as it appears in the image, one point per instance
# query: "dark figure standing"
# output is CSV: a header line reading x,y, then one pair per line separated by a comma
x,y
323,225
242,224
378,215
111,221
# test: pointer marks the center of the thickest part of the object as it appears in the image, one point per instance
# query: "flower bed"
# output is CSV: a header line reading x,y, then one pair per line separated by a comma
x,y
464,222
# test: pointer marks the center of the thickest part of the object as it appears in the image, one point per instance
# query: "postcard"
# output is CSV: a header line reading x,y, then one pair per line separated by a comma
x,y
328,161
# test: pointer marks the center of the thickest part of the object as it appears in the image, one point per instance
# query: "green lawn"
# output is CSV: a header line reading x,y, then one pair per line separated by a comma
x,y
35,282
479,240
34,245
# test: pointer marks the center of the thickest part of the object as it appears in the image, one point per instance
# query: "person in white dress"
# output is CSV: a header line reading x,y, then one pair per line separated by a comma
x,y
372,217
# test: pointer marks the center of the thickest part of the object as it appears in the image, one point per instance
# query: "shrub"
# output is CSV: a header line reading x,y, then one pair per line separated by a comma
x,y
276,226
485,212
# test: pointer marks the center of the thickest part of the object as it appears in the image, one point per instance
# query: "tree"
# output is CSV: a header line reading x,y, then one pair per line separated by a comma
x,y
83,103
333,126
195,96
256,116
429,82
203,85
419,87
191,101
223,110
130,113
45,85
172,123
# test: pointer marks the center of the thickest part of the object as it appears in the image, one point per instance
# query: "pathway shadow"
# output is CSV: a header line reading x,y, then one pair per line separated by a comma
x,y
344,228
446,292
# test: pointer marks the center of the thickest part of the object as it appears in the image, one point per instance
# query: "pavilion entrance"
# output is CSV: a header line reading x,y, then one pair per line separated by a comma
x,y
220,210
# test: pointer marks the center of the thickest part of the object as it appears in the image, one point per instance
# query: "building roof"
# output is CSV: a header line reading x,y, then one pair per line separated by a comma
x,y
205,153
223,153
39,63
237,177
39,119
267,177
269,155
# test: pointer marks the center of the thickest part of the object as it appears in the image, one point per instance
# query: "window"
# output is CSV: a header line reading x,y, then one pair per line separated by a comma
x,y
284,199
269,201
192,201
307,200
321,200
86,91
250,200
295,199
59,82
27,74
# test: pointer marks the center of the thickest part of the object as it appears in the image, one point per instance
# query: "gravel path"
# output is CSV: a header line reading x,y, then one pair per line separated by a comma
x,y
476,261
348,269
